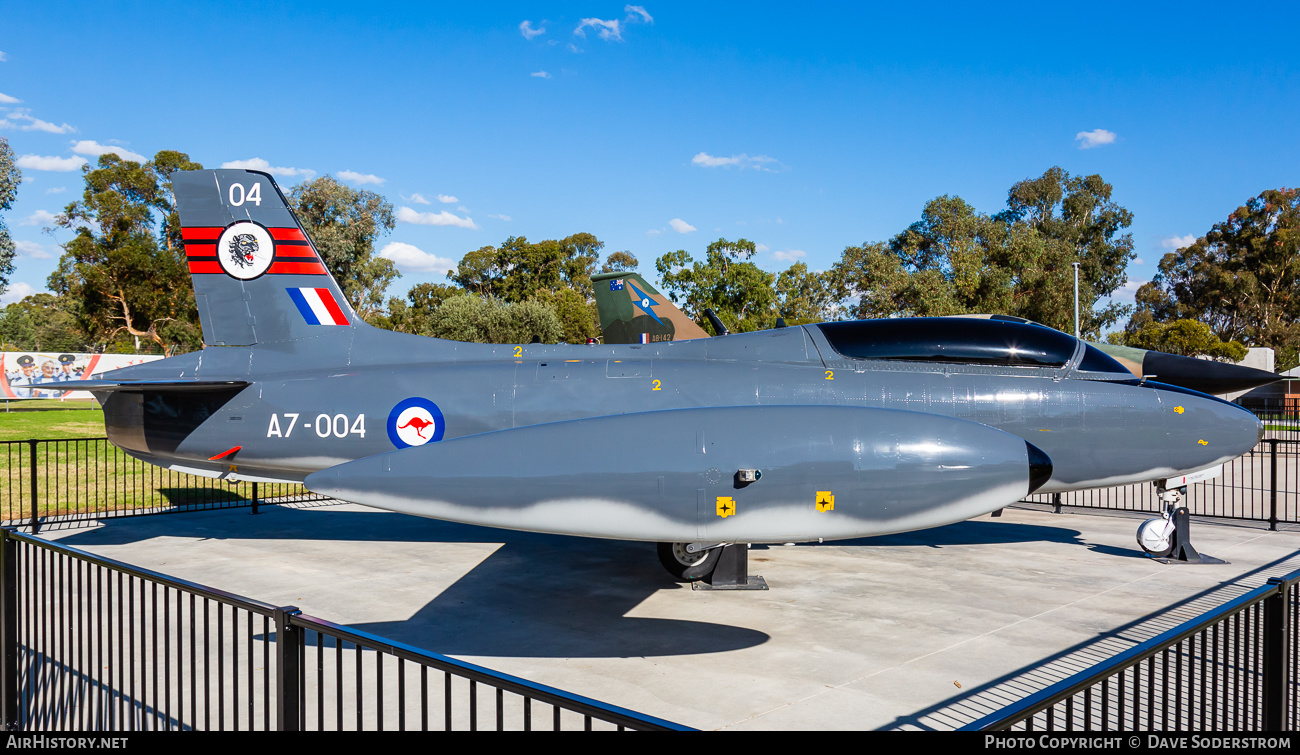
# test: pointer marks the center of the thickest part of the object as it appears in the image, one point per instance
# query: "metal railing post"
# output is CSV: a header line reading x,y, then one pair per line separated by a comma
x,y
8,630
1272,453
36,521
254,498
1056,503
1276,668
288,674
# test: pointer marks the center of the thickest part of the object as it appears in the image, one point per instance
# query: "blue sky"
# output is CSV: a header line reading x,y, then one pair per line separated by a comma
x,y
804,128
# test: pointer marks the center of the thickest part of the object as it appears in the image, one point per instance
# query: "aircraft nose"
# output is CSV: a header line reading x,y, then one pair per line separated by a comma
x,y
1204,430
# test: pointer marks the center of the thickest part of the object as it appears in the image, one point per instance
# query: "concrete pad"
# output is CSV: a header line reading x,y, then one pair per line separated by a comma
x,y
926,630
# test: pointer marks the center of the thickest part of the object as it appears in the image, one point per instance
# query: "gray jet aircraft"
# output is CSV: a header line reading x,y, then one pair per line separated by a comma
x,y
807,433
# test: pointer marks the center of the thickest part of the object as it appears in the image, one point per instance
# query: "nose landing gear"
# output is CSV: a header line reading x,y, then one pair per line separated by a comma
x,y
1168,538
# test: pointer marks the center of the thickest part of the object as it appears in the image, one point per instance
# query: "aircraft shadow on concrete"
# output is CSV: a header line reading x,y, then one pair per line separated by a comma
x,y
536,596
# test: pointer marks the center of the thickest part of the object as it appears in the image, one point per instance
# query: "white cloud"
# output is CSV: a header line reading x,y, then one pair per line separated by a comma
x,y
540,75
462,208
1178,242
410,258
56,190
501,217
95,149
38,162
742,161
40,217
654,232
608,30
3,57
790,255
681,226
1139,260
407,215
447,199
35,124
360,178
637,14
258,163
1094,138
16,293
761,247
8,100
33,250
526,29
417,198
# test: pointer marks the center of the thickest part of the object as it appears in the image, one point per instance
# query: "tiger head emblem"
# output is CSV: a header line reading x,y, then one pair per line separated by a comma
x,y
242,249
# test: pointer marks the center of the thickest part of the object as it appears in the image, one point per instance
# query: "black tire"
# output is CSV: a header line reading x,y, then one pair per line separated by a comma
x,y
679,564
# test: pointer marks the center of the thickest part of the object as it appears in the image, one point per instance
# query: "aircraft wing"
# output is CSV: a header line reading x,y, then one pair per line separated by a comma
x,y
726,474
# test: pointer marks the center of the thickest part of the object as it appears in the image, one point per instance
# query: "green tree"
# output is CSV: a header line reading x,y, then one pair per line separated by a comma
x,y
1242,278
41,322
413,315
125,281
804,296
519,269
10,178
1187,338
620,262
344,224
479,319
738,291
956,260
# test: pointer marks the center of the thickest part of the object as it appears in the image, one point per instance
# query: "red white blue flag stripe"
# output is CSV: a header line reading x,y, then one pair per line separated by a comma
x,y
317,306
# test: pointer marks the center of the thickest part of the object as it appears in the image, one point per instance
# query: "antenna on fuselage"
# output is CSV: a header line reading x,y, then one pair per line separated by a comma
x,y
717,323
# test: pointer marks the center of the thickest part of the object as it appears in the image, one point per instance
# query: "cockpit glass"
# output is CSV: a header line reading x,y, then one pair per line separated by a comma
x,y
1096,360
955,340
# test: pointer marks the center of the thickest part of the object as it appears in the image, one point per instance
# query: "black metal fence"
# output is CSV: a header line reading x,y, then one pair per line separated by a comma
x,y
1231,669
95,644
1262,485
89,478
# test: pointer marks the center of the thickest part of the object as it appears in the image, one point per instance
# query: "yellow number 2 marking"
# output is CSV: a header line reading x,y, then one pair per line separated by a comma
x,y
830,374
519,351
656,385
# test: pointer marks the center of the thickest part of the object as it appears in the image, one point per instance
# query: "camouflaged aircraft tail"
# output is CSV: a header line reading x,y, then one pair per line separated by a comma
x,y
257,276
632,311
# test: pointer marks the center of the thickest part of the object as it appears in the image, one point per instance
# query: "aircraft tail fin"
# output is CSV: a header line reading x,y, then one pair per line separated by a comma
x,y
257,277
632,311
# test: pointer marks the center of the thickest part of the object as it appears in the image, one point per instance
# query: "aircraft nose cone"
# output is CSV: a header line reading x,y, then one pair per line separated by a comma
x,y
1040,467
1204,430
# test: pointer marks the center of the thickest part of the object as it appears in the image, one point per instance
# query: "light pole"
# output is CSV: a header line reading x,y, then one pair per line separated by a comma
x,y
1076,298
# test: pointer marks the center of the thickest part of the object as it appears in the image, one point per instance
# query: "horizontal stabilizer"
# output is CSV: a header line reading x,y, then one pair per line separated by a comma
x,y
150,385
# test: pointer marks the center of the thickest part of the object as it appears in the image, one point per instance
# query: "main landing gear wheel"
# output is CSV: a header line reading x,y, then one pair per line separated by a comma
x,y
687,567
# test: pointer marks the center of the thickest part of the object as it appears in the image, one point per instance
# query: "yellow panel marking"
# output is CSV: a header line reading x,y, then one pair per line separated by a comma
x,y
1203,442
573,360
519,351
830,374
1044,430
726,506
656,384
1179,410
825,500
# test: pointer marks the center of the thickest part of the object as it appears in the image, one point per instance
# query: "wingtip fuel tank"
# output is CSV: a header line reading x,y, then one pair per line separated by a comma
x,y
747,474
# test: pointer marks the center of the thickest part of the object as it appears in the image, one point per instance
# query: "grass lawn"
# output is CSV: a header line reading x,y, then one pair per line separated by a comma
x,y
77,474
67,421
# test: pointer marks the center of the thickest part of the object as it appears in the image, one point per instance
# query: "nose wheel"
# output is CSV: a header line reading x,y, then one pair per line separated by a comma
x,y
1168,537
